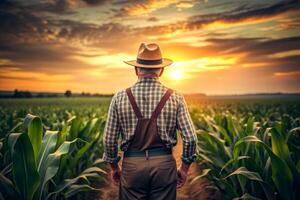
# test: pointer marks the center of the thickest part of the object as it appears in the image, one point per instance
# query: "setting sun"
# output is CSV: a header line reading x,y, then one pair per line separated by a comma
x,y
176,75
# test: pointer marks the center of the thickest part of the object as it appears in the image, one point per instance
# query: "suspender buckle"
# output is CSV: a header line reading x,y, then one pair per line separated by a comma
x,y
147,154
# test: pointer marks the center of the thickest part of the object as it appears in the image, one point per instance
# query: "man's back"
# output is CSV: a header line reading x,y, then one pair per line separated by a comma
x,y
147,93
145,118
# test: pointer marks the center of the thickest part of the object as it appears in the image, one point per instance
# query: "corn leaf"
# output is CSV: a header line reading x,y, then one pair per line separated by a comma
x,y
204,173
25,172
246,196
246,173
35,132
281,173
48,146
74,189
51,165
7,188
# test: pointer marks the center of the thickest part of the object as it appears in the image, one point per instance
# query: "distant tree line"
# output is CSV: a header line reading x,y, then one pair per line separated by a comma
x,y
27,94
21,94
69,93
87,94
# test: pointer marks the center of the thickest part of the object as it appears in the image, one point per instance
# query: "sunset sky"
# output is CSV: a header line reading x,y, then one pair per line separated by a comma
x,y
218,47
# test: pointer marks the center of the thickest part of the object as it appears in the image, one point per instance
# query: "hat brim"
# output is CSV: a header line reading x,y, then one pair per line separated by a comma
x,y
165,62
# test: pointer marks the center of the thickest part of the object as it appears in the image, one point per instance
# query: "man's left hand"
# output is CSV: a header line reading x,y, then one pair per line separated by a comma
x,y
115,174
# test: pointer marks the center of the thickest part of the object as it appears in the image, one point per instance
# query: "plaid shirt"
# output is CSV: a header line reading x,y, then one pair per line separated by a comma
x,y
122,121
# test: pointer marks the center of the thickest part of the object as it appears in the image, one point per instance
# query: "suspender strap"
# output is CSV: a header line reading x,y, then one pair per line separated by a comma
x,y
161,104
133,104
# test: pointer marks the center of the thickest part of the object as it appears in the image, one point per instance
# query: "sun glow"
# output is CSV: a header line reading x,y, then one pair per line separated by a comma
x,y
176,75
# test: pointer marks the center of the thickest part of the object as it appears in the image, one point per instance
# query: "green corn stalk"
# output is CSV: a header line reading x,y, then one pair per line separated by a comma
x,y
32,174
228,144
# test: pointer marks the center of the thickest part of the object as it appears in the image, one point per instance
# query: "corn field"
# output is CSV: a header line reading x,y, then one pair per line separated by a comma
x,y
55,156
250,149
51,148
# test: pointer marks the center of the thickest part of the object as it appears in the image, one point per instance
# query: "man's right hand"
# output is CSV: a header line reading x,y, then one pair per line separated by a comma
x,y
182,175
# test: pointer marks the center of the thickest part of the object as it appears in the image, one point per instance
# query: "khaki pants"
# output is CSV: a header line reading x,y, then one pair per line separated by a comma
x,y
154,178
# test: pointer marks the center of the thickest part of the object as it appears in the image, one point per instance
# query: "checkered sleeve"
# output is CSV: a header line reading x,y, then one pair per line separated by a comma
x,y
111,134
187,130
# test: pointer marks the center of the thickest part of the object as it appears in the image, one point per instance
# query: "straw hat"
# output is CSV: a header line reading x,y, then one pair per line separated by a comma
x,y
149,56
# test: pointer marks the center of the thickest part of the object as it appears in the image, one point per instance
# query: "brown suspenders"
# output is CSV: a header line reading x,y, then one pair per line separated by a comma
x,y
133,104
161,104
157,110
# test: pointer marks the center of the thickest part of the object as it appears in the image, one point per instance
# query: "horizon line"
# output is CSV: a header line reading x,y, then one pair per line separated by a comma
x,y
191,93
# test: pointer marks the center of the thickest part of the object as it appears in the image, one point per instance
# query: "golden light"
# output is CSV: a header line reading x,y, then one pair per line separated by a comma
x,y
109,61
176,75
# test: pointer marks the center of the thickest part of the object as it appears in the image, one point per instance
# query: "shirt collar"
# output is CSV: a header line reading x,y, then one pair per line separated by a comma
x,y
147,79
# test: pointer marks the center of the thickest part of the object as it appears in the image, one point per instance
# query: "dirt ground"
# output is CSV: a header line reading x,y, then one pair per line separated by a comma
x,y
201,189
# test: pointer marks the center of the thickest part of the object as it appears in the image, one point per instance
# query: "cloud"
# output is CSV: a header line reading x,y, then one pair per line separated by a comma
x,y
152,19
285,74
22,26
17,73
136,8
238,15
61,7
95,2
257,47
185,4
289,23
241,14
64,7
26,26
263,54
32,55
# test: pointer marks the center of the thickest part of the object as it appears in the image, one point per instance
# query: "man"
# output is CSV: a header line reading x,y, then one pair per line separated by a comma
x,y
146,116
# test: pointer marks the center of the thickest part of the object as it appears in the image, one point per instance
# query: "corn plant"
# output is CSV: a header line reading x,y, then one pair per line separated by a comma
x,y
248,159
34,161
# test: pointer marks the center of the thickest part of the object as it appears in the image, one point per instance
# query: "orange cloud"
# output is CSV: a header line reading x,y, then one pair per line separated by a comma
x,y
17,73
285,74
258,64
147,7
185,4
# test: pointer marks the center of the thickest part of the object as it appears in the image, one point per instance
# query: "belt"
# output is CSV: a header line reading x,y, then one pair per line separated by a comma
x,y
148,153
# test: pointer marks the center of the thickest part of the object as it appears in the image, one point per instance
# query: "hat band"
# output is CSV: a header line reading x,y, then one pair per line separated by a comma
x,y
149,62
